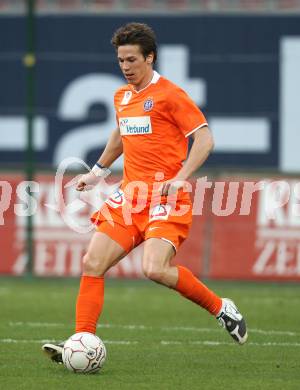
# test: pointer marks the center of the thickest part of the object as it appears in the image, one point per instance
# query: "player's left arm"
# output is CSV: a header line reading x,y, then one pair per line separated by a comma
x,y
202,146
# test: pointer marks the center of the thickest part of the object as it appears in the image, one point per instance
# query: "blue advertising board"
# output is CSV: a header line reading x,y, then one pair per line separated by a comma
x,y
243,71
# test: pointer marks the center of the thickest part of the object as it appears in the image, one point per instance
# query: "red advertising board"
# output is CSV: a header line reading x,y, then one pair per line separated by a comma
x,y
263,244
61,236
247,229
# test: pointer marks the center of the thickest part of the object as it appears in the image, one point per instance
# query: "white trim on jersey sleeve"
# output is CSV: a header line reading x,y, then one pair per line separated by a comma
x,y
198,127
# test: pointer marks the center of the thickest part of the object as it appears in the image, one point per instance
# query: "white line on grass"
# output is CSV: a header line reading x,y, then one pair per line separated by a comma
x,y
218,343
143,327
37,324
162,342
274,332
16,341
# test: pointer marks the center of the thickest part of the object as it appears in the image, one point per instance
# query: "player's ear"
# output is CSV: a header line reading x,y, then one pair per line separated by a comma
x,y
149,58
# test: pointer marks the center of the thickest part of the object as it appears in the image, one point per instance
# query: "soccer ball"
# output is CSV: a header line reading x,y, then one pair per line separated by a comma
x,y
84,352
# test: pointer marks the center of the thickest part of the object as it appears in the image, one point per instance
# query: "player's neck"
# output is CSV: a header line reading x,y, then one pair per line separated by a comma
x,y
145,82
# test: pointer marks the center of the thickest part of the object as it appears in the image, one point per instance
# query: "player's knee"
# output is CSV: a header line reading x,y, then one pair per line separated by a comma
x,y
91,265
154,272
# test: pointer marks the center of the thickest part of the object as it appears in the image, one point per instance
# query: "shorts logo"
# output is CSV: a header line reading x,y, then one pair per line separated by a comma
x,y
126,97
160,212
135,125
117,199
148,104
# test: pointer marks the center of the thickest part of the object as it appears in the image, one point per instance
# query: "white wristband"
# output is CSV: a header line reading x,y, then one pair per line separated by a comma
x,y
100,172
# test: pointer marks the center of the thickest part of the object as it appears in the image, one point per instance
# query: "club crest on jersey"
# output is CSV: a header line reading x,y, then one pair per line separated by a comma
x,y
148,104
126,97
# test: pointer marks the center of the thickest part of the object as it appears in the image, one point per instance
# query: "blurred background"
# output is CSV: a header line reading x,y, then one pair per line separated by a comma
x,y
239,60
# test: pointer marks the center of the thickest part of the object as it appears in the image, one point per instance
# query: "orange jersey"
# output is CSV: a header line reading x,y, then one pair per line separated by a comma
x,y
155,123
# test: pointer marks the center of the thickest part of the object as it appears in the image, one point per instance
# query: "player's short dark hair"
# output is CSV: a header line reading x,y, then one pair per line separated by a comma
x,y
136,34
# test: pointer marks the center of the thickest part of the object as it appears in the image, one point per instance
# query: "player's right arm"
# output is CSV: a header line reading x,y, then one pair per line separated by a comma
x,y
113,150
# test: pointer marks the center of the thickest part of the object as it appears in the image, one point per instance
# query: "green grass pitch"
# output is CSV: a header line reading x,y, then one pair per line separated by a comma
x,y
155,339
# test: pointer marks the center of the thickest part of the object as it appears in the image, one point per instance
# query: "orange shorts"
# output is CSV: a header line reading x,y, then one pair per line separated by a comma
x,y
129,227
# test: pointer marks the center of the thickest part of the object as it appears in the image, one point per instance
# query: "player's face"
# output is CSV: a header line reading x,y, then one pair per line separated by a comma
x,y
136,69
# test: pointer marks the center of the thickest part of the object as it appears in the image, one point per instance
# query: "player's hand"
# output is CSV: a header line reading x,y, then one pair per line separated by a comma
x,y
87,181
170,187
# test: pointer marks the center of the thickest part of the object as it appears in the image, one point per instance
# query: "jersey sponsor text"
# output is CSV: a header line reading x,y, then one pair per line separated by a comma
x,y
135,125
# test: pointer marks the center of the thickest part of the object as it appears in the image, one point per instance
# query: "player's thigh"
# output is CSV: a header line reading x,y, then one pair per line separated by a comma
x,y
103,252
157,255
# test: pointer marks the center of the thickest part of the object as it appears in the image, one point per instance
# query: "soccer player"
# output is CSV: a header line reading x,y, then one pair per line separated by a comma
x,y
154,120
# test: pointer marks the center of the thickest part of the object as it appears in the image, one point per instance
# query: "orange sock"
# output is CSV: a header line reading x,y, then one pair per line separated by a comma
x,y
191,288
89,303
